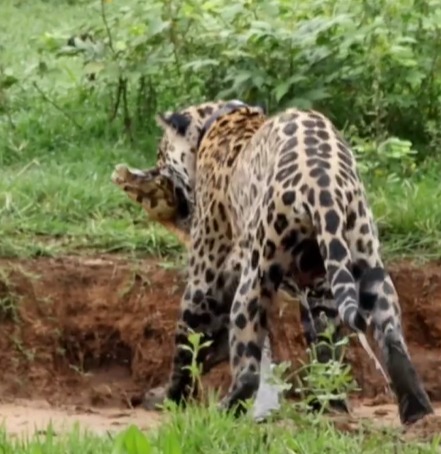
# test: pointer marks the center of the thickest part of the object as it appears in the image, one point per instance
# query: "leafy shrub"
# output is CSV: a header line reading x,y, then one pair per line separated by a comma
x,y
371,65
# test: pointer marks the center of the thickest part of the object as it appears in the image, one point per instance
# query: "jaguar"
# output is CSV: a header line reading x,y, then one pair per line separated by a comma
x,y
272,202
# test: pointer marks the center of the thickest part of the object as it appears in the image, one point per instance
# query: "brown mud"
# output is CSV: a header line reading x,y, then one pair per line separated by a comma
x,y
82,336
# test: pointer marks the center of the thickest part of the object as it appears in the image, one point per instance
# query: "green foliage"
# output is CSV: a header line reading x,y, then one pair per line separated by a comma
x,y
209,431
204,430
393,159
132,441
373,64
324,382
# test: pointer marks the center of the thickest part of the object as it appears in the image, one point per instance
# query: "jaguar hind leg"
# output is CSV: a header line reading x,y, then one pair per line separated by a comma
x,y
377,295
322,331
379,301
318,311
267,261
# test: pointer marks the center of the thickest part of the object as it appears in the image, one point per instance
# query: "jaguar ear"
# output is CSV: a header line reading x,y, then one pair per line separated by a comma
x,y
238,103
262,107
179,123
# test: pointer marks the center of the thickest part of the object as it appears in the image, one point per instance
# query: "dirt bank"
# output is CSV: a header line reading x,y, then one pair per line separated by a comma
x,y
97,331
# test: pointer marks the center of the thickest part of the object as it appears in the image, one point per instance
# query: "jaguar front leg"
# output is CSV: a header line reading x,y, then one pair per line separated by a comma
x,y
205,307
216,353
205,315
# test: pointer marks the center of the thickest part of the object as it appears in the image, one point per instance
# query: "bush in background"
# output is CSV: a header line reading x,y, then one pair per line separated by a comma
x,y
372,65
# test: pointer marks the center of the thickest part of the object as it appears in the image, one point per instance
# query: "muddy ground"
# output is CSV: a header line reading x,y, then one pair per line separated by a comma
x,y
82,337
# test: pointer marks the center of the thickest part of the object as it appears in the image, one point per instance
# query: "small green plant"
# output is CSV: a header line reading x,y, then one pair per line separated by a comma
x,y
280,375
9,299
195,368
8,308
324,382
28,354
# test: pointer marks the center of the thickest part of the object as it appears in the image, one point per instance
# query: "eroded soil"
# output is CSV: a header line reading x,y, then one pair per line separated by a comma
x,y
82,338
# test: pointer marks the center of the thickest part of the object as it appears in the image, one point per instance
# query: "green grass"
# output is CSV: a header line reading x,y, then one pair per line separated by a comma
x,y
409,216
48,207
55,161
205,430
